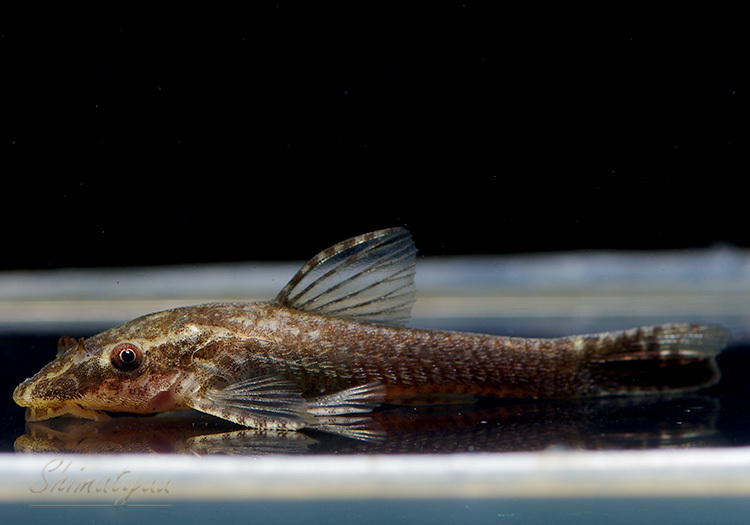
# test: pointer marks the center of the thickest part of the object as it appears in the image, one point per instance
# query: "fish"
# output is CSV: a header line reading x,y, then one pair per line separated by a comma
x,y
334,344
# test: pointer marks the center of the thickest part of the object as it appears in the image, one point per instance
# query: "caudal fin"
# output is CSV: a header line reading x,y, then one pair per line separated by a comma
x,y
653,359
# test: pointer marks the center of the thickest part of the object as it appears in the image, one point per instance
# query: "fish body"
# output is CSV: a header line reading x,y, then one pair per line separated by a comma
x,y
334,343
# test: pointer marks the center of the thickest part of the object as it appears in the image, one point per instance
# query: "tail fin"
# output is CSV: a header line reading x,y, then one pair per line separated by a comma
x,y
653,359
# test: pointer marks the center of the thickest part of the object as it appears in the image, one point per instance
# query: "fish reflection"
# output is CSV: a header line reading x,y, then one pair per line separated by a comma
x,y
174,433
531,425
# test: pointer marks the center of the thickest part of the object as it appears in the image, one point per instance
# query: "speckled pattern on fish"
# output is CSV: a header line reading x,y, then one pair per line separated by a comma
x,y
334,343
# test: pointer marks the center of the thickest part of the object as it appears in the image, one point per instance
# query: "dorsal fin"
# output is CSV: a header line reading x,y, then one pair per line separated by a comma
x,y
366,278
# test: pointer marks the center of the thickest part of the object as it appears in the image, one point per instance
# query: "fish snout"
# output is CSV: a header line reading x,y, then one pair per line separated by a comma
x,y
50,386
22,394
30,393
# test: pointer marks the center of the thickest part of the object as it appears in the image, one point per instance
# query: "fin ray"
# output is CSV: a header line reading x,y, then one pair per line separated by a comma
x,y
360,428
258,402
355,400
670,357
369,278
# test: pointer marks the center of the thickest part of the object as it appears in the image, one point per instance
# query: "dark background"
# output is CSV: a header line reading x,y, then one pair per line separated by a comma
x,y
140,135
270,131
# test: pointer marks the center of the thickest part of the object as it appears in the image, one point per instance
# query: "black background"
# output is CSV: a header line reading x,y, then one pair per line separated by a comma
x,y
270,131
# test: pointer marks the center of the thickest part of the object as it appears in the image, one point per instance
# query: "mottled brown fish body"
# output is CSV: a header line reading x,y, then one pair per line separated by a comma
x,y
322,354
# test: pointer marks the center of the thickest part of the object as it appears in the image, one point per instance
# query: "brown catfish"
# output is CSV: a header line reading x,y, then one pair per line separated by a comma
x,y
333,343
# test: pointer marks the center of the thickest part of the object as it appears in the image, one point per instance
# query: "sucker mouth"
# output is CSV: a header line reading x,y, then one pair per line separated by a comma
x,y
48,412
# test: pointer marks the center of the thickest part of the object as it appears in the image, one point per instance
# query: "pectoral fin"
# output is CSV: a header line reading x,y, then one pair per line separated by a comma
x,y
258,402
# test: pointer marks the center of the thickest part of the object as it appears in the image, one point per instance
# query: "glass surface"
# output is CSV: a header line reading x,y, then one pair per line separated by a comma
x,y
679,458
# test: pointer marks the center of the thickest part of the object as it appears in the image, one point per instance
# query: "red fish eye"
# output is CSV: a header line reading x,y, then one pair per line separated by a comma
x,y
126,357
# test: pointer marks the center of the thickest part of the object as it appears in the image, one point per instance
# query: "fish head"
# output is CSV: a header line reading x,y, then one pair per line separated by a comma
x,y
130,368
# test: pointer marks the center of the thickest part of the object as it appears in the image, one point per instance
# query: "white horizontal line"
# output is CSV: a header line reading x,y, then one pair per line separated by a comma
x,y
615,474
429,307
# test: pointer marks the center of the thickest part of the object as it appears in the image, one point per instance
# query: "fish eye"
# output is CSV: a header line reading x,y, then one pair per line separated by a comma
x,y
126,357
